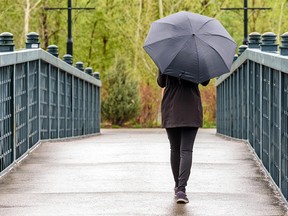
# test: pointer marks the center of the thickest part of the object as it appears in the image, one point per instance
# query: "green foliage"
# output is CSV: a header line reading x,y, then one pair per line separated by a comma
x,y
150,103
120,101
208,96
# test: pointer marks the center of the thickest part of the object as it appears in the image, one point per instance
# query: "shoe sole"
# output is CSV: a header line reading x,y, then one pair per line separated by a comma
x,y
182,201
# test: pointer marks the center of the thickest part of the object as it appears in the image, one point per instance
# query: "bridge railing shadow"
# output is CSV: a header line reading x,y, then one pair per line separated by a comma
x,y
252,104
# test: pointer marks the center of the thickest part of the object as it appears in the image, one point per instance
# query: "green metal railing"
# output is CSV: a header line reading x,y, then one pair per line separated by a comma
x,y
43,98
252,104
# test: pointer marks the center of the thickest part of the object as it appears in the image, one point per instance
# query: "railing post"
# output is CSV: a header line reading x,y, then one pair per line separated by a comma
x,y
6,42
241,90
49,98
269,42
32,41
228,110
241,49
261,113
96,75
58,103
253,106
68,59
72,105
280,129
254,40
65,104
27,99
39,99
13,114
79,66
231,104
284,47
269,166
89,71
84,107
237,102
247,99
53,50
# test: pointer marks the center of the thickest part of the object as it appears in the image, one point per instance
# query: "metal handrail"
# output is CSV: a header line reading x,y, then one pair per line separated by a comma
x,y
43,98
252,104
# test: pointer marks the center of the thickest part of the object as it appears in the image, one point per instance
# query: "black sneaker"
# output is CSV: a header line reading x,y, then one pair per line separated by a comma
x,y
181,197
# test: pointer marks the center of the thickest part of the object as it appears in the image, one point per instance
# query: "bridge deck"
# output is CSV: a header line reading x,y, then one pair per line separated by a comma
x,y
127,172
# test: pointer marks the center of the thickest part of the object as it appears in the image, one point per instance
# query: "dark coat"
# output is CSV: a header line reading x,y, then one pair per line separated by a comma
x,y
181,104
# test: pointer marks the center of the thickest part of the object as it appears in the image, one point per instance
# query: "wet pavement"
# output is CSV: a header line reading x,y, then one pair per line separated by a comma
x,y
127,172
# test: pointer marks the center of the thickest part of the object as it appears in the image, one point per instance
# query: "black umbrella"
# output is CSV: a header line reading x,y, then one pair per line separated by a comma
x,y
190,46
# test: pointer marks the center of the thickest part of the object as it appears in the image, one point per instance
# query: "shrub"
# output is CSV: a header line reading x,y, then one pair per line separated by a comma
x,y
120,96
208,95
150,104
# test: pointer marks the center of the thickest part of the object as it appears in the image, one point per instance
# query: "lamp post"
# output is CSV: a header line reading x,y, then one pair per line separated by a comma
x,y
69,44
245,20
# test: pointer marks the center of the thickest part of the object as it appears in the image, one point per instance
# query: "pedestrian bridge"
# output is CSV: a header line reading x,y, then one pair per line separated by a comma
x,y
54,160
127,172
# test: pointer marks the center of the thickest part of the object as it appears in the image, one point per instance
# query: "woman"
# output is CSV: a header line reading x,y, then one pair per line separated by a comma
x,y
181,116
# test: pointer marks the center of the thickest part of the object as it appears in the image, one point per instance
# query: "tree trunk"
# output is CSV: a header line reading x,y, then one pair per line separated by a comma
x,y
27,10
44,26
91,43
137,36
160,9
26,17
280,18
254,15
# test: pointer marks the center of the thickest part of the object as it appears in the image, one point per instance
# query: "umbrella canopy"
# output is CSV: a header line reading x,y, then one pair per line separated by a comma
x,y
190,46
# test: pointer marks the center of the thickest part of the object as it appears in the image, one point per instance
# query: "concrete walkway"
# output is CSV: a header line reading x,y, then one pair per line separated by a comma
x,y
127,172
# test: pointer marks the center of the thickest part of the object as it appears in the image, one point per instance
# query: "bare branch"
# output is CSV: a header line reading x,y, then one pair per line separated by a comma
x,y
35,5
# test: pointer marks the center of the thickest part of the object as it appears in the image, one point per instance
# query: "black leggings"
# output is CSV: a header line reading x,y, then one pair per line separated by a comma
x,y
181,146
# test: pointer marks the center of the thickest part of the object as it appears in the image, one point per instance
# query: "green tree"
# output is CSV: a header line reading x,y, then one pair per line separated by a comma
x,y
120,98
119,28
